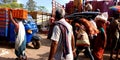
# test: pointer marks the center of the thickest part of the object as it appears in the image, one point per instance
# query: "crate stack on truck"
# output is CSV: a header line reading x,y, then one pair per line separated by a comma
x,y
5,23
20,13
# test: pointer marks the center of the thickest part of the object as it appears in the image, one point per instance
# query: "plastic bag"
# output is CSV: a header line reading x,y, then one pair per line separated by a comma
x,y
82,38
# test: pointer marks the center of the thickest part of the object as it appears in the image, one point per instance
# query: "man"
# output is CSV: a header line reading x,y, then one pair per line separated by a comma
x,y
51,23
82,41
20,42
88,6
114,38
52,19
62,46
100,41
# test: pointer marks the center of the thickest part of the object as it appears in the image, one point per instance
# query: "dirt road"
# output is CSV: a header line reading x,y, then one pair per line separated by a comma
x,y
7,53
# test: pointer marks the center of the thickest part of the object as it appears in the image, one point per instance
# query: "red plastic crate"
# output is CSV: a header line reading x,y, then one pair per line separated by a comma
x,y
20,13
4,21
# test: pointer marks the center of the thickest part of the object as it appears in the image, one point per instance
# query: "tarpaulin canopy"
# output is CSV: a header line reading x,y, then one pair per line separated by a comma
x,y
115,8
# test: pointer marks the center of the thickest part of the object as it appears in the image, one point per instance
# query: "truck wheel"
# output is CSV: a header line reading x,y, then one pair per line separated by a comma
x,y
36,44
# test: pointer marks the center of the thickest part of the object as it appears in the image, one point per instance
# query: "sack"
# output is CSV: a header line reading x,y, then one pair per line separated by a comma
x,y
91,29
82,38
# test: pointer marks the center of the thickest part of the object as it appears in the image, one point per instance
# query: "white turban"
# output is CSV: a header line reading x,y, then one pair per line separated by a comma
x,y
103,16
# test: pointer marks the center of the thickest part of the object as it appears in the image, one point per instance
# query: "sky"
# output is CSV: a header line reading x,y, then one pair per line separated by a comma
x,y
46,3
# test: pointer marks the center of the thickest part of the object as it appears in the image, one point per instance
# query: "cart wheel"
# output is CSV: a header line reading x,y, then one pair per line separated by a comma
x,y
36,44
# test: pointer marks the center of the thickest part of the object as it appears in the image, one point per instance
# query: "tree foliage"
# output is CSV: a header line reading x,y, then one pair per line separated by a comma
x,y
31,5
11,5
15,5
42,8
7,1
5,6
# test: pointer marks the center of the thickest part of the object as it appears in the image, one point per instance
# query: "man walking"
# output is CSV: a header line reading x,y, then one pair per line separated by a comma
x,y
62,46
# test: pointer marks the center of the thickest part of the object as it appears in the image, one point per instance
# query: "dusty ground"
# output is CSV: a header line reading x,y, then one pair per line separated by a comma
x,y
7,53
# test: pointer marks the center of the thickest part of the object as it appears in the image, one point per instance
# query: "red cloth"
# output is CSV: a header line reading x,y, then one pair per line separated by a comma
x,y
99,45
98,54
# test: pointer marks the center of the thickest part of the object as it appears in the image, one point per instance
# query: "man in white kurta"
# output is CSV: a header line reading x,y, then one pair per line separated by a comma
x,y
57,45
56,36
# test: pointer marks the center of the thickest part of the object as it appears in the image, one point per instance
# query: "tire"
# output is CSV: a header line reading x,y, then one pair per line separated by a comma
x,y
36,44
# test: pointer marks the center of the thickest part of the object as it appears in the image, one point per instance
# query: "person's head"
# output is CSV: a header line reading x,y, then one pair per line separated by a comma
x,y
52,19
110,19
101,19
59,13
67,18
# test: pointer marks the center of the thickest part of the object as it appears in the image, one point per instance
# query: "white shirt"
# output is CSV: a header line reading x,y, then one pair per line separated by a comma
x,y
56,36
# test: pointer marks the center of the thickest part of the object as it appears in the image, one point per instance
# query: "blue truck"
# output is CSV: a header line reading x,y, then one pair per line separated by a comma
x,y
7,29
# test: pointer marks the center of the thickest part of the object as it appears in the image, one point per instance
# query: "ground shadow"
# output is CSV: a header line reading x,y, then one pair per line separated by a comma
x,y
44,56
6,44
106,55
2,58
44,42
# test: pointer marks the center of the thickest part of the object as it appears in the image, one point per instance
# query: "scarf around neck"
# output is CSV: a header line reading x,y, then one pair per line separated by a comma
x,y
64,31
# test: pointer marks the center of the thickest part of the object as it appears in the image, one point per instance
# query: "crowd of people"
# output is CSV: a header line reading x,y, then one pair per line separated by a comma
x,y
69,36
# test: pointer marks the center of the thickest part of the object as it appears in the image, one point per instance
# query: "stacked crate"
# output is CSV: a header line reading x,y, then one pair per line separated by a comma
x,y
4,21
33,14
4,18
20,13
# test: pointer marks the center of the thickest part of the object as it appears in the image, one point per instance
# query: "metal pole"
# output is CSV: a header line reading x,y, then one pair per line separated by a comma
x,y
54,5
53,8
42,19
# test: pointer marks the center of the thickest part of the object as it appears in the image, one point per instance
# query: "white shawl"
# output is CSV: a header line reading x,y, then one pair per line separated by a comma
x,y
21,35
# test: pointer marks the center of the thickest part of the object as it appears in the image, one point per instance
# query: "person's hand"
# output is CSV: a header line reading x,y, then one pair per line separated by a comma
x,y
74,53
